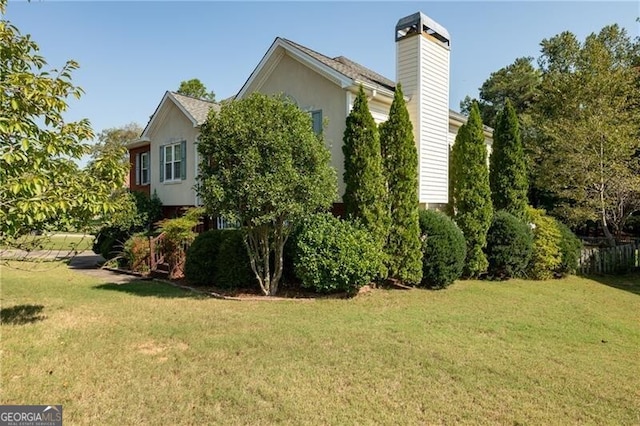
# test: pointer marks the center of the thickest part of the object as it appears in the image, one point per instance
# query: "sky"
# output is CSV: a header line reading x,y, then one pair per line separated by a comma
x,y
130,53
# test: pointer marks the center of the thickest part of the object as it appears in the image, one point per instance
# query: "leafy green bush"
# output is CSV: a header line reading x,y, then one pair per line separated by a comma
x,y
509,246
199,267
137,253
232,265
219,257
443,249
331,254
546,257
570,248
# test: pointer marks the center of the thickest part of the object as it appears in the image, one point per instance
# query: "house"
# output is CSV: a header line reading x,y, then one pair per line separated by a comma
x,y
164,158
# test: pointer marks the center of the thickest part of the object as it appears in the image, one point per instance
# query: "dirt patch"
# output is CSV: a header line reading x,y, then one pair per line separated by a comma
x,y
151,348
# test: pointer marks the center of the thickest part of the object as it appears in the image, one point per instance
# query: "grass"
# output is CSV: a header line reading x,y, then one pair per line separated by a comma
x,y
520,352
54,242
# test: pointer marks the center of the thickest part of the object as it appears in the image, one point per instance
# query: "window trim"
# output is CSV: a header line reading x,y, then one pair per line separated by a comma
x,y
171,147
314,113
141,168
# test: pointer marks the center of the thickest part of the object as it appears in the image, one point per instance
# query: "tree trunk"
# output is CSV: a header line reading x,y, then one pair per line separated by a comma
x,y
253,249
611,242
279,239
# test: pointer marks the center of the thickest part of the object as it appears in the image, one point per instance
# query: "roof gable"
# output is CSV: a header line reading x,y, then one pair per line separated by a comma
x,y
194,109
340,70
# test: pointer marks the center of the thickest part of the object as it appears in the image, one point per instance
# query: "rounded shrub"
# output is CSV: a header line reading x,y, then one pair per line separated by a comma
x,y
443,249
570,247
509,246
200,263
330,254
546,258
219,257
232,267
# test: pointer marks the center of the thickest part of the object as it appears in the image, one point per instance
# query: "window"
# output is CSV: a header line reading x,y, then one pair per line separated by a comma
x,y
223,223
173,162
144,168
316,118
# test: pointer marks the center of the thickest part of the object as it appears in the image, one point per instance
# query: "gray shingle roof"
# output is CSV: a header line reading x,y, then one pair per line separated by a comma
x,y
197,108
347,67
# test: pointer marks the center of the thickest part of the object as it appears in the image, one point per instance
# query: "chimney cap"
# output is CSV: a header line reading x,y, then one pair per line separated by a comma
x,y
419,22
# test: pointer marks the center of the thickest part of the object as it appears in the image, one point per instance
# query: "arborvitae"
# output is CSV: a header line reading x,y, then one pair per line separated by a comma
x,y
400,160
507,172
365,193
471,192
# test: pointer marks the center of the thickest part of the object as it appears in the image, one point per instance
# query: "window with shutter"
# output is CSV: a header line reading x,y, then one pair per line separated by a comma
x,y
174,161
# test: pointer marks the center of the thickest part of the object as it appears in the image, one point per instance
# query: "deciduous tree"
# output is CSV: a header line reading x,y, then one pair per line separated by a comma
x,y
41,185
589,115
116,138
264,167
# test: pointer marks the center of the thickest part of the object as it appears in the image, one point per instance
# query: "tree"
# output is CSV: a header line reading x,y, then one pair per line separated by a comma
x,y
518,82
400,160
196,89
507,165
589,117
116,138
471,192
41,185
265,167
365,192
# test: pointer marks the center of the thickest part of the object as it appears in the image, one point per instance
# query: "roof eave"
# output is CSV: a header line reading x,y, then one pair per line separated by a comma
x,y
137,143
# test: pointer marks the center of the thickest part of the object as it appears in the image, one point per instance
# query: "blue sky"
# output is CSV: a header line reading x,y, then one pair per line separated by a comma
x,y
131,52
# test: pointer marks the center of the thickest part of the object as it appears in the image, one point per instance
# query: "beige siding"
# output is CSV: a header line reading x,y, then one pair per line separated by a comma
x,y
174,127
312,92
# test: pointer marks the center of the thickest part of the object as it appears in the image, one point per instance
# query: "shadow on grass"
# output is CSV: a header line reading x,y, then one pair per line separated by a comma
x,y
148,289
628,282
21,314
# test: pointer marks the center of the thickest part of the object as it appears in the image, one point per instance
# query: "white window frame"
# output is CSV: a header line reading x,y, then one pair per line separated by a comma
x,y
142,169
172,148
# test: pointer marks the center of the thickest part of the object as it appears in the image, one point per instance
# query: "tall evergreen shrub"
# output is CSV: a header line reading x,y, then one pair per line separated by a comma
x,y
471,193
400,160
365,193
507,166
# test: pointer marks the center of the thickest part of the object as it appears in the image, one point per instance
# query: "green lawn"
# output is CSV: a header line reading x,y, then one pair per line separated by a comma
x,y
558,352
55,243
